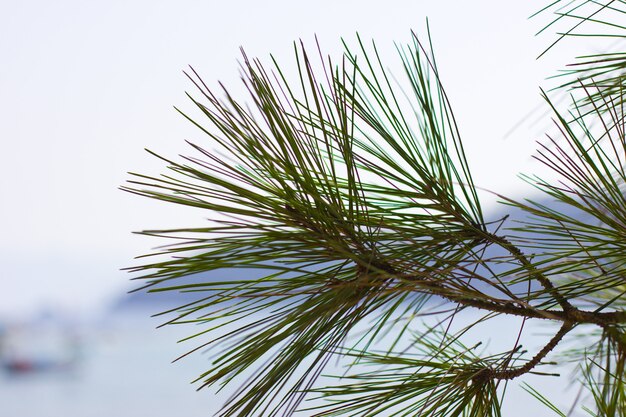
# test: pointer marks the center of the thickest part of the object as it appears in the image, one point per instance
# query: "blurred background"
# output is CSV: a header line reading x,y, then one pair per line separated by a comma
x,y
86,86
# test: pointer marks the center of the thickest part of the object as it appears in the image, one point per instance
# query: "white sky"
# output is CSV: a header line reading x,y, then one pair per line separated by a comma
x,y
86,85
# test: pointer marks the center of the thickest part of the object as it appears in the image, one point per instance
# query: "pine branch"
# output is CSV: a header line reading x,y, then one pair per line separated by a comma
x,y
356,200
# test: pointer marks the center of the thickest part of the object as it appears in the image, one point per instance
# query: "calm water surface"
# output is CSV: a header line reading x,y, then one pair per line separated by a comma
x,y
125,371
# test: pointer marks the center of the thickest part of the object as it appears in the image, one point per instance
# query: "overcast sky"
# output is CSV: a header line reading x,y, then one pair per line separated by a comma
x,y
85,86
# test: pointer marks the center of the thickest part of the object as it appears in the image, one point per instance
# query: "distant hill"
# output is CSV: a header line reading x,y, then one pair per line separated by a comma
x,y
154,302
163,300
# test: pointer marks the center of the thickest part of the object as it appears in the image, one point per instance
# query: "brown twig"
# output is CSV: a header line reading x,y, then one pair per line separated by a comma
x,y
528,366
534,273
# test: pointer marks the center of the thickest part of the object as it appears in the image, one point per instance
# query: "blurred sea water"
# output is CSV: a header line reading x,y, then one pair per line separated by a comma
x,y
124,369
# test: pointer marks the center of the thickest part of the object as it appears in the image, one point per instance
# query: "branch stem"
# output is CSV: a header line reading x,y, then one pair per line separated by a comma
x,y
534,273
573,314
511,373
